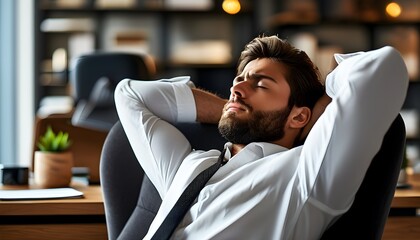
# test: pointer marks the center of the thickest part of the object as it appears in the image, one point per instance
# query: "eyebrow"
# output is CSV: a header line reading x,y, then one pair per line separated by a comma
x,y
260,76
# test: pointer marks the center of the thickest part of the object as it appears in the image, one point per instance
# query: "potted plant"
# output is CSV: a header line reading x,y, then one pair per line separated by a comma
x,y
53,161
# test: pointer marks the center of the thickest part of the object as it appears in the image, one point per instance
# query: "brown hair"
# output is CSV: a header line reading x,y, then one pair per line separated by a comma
x,y
303,76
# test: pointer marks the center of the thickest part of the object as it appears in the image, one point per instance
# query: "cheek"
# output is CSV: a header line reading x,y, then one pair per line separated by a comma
x,y
283,99
271,103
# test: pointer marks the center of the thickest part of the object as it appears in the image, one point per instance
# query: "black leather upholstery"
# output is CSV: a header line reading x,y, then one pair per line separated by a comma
x,y
94,77
129,214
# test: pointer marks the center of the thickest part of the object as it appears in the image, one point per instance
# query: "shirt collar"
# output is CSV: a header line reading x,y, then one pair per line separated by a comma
x,y
260,149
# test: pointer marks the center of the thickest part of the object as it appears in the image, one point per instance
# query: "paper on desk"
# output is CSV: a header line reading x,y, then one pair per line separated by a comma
x,y
51,193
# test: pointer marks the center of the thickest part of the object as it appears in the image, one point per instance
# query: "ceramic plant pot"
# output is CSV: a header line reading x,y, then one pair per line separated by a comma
x,y
53,169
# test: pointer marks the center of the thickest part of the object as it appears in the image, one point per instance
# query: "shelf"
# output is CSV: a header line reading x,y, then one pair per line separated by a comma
x,y
140,11
215,7
163,11
274,23
68,25
158,31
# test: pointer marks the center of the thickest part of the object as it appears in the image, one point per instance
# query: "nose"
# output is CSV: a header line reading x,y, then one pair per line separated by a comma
x,y
239,90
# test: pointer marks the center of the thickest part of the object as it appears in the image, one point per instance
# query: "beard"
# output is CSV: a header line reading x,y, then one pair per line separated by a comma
x,y
261,126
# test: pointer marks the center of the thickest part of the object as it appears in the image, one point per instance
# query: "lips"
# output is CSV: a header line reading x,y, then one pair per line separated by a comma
x,y
236,106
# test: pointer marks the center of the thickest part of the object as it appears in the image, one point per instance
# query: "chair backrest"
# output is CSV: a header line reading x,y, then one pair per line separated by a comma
x,y
131,201
94,78
87,69
367,216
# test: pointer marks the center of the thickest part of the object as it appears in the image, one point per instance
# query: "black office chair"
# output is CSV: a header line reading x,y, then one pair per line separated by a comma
x,y
94,78
131,201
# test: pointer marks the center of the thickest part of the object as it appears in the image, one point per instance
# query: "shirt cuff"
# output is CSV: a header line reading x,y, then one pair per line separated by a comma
x,y
185,102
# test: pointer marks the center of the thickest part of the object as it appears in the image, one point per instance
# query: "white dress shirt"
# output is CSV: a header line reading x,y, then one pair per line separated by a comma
x,y
267,191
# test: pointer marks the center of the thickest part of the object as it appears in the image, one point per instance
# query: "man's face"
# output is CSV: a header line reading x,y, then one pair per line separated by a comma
x,y
257,109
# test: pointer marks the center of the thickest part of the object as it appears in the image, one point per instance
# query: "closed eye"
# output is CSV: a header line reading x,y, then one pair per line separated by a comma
x,y
262,86
262,83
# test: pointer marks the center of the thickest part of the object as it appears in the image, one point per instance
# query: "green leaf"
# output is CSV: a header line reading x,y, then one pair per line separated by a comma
x,y
52,142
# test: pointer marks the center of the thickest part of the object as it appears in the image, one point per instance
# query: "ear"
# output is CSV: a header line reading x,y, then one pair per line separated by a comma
x,y
299,117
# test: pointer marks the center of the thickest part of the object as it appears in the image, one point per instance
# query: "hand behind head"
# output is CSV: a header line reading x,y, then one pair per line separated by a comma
x,y
317,111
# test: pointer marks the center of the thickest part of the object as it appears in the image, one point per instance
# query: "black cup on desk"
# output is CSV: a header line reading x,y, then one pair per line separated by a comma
x,y
14,175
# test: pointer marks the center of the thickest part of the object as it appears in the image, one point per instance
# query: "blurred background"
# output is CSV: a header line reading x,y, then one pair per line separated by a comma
x,y
40,40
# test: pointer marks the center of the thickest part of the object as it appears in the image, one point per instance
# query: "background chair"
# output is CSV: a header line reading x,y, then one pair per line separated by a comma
x,y
131,201
93,79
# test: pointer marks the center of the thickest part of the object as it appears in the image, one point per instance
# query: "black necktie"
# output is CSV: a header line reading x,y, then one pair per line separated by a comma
x,y
185,201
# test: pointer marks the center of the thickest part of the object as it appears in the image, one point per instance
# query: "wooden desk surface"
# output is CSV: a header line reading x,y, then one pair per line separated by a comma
x,y
405,227
90,204
409,197
397,228
64,219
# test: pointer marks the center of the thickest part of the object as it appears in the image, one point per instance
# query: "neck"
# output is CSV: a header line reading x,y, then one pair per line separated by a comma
x,y
284,143
236,148
288,141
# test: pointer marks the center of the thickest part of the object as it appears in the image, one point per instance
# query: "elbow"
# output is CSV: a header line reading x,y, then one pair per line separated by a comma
x,y
394,77
396,68
121,90
391,72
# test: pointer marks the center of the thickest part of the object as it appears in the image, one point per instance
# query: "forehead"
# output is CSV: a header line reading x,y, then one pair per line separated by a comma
x,y
268,67
273,74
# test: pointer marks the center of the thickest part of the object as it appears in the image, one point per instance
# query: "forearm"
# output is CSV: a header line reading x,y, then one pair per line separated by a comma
x,y
208,106
144,109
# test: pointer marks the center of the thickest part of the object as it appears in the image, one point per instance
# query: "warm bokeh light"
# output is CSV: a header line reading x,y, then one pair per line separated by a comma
x,y
393,9
231,6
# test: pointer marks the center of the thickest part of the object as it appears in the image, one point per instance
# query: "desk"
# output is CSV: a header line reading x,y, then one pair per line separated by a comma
x,y
84,218
405,227
79,218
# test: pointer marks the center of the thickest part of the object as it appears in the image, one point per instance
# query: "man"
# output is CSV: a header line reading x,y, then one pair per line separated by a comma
x,y
271,186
